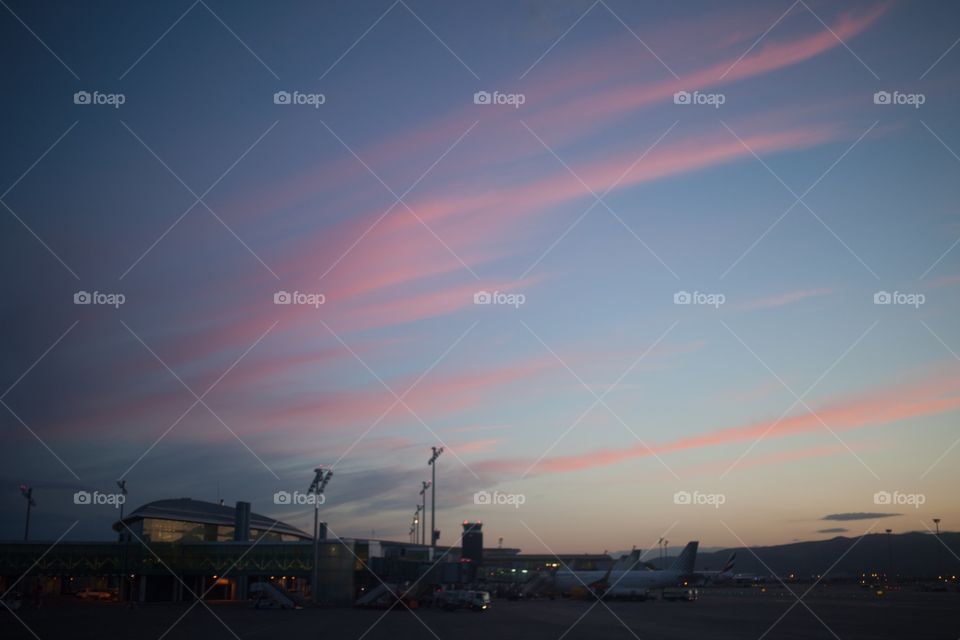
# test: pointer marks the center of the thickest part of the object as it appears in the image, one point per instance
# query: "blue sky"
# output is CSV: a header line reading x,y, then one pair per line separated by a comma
x,y
589,207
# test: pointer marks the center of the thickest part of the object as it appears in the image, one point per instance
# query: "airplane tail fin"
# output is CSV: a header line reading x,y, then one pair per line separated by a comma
x,y
627,562
685,561
728,567
601,585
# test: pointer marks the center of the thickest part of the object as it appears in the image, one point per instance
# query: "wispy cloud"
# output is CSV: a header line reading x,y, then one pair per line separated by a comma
x,y
858,515
783,299
931,395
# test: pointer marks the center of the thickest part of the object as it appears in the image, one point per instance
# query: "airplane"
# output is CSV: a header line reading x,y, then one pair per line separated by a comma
x,y
629,582
724,575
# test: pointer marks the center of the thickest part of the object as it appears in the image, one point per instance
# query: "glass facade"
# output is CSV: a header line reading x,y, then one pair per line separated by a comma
x,y
157,530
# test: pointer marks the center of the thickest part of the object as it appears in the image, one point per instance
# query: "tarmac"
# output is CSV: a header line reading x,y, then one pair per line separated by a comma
x,y
835,613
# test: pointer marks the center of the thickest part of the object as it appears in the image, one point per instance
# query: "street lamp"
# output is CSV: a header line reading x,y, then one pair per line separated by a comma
x,y
423,507
320,479
433,499
27,492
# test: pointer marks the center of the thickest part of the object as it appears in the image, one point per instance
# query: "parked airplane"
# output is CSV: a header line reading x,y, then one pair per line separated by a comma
x,y
624,583
723,576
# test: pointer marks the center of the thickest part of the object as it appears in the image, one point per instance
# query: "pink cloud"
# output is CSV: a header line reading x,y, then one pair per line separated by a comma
x,y
934,395
783,299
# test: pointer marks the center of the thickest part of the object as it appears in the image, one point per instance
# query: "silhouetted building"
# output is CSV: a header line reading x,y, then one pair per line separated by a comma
x,y
472,542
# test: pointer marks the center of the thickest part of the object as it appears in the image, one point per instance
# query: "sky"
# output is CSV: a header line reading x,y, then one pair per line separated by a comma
x,y
644,270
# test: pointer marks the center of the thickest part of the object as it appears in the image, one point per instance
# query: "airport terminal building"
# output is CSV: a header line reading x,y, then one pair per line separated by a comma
x,y
179,549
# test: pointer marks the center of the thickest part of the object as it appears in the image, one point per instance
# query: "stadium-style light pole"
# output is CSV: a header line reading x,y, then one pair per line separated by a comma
x,y
423,507
416,523
122,485
27,492
433,499
320,479
936,523
889,554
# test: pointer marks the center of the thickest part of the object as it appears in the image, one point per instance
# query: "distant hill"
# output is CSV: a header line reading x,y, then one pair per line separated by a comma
x,y
914,554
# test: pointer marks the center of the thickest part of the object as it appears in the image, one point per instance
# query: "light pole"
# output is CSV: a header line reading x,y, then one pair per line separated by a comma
x,y
320,480
27,492
416,525
936,522
433,499
423,507
889,554
122,485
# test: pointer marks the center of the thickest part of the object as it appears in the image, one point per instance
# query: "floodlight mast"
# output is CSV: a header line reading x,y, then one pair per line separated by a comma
x,y
320,479
936,522
27,493
433,499
121,584
122,485
423,507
